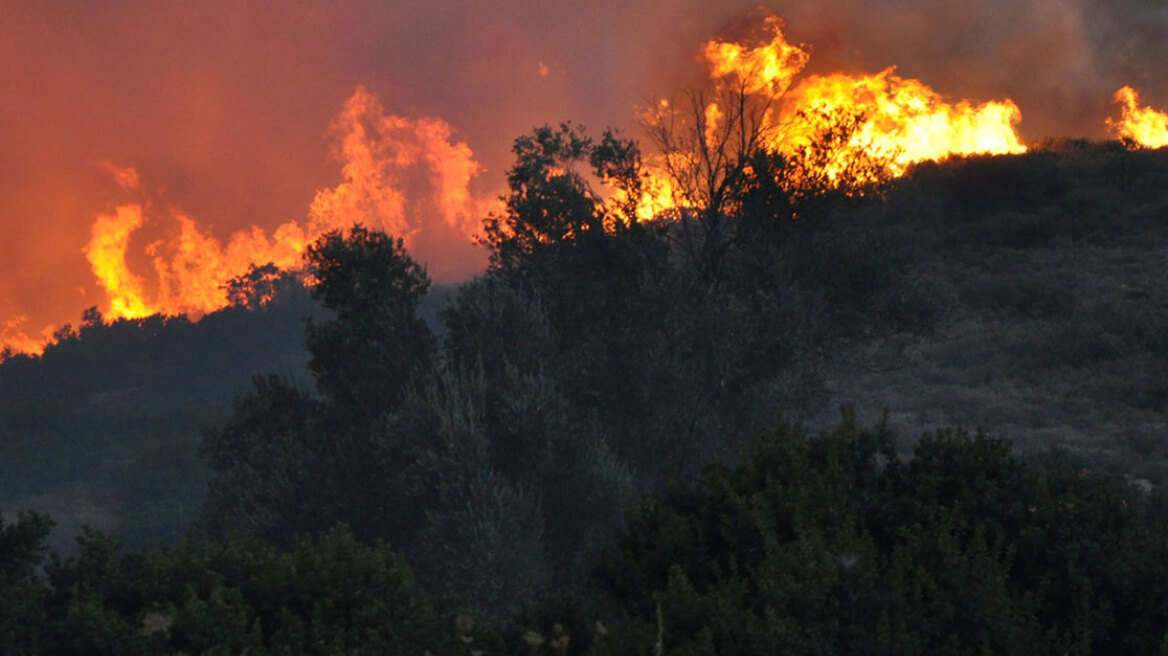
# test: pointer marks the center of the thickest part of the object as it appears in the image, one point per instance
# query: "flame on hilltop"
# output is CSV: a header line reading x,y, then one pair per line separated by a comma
x,y
1142,126
893,121
383,157
901,121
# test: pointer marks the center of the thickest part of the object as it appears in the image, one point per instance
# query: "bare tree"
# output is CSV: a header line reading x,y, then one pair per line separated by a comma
x,y
721,144
706,147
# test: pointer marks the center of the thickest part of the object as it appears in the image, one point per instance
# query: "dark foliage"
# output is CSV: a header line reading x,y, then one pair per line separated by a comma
x,y
831,544
324,595
104,427
364,357
602,356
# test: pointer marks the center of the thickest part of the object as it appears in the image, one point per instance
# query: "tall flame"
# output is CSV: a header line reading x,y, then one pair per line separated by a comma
x,y
387,161
1141,126
106,253
768,67
411,177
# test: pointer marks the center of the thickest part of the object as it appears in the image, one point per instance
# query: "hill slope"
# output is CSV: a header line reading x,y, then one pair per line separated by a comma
x,y
1048,269
1051,271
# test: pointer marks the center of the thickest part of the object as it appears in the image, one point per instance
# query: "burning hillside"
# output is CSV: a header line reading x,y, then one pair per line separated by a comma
x,y
899,121
847,130
397,171
150,248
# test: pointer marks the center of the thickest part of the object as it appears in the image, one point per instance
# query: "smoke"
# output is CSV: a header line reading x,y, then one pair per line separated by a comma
x,y
224,109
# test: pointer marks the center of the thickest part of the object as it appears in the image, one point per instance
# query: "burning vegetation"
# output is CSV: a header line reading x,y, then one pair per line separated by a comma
x,y
412,177
1139,126
384,157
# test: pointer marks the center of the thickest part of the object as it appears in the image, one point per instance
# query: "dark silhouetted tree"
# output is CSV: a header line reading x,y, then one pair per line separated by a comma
x,y
376,344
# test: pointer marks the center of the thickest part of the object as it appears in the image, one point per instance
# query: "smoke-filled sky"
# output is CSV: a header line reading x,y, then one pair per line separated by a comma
x,y
224,108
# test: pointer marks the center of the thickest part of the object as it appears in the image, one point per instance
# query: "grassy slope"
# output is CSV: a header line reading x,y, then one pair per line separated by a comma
x,y
1053,271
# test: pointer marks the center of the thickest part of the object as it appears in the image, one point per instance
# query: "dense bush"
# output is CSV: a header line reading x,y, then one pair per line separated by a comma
x,y
104,427
833,544
328,594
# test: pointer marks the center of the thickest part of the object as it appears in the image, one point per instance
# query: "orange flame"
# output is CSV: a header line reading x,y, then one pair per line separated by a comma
x,y
387,159
769,67
900,121
1142,126
14,339
893,122
106,253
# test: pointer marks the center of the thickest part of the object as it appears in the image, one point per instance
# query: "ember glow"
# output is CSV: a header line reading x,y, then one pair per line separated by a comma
x,y
1142,126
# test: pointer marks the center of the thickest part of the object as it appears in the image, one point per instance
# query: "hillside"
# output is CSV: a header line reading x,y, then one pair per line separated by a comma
x,y
1050,269
103,429
1047,270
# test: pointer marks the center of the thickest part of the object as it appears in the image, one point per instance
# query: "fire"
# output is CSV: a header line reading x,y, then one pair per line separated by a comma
x,y
1142,126
900,121
405,176
13,339
890,122
386,160
769,67
382,155
411,177
106,253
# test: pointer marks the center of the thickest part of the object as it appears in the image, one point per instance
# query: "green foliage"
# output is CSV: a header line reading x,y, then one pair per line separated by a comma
x,y
476,472
1101,331
268,464
677,351
288,461
512,491
495,326
22,592
364,358
96,598
600,356
104,427
325,595
831,544
261,286
552,207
